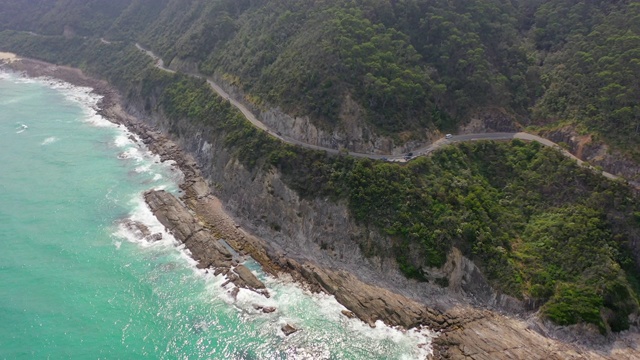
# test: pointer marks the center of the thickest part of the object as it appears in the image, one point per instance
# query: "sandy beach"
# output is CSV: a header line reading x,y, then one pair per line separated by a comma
x,y
7,57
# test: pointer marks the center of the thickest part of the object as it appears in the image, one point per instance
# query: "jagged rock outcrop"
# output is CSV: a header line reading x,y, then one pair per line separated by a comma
x,y
461,275
288,329
206,249
596,153
352,132
491,120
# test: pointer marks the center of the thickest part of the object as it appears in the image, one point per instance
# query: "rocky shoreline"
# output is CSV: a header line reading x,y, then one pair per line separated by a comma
x,y
199,220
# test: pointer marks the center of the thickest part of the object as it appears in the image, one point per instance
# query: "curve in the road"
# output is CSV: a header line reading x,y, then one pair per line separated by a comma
x,y
425,150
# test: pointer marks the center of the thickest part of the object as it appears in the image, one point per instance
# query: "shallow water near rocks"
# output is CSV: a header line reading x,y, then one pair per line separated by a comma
x,y
74,283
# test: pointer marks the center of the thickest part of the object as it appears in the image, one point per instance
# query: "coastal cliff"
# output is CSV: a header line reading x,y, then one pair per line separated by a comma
x,y
319,242
352,133
450,240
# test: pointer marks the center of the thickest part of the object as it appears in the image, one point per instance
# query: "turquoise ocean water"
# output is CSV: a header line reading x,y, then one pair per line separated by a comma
x,y
74,284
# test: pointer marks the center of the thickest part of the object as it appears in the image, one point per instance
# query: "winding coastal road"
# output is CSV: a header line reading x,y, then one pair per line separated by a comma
x,y
424,150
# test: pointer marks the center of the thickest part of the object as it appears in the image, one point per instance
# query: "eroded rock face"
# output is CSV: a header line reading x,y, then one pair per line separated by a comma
x,y
595,152
491,120
463,276
353,133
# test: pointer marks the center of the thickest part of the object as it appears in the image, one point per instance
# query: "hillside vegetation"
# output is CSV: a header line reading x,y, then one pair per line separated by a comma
x,y
410,65
540,227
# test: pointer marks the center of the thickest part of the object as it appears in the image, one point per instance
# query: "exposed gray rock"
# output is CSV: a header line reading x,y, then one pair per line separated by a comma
x,y
247,279
352,133
204,246
288,329
154,237
348,314
265,309
491,120
140,230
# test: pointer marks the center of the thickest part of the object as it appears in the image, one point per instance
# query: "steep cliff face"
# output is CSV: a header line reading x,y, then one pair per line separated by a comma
x,y
490,120
352,133
596,152
318,230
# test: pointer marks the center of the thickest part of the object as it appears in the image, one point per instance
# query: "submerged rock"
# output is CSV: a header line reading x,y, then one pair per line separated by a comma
x,y
140,230
234,293
154,237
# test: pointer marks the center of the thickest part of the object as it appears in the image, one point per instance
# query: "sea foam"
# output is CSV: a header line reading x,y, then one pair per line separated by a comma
x,y
49,140
21,128
292,301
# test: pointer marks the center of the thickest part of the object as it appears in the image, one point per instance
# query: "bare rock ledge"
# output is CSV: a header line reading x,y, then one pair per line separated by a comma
x,y
205,247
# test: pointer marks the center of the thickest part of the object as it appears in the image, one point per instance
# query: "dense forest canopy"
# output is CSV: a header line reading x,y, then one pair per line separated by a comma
x,y
541,228
410,65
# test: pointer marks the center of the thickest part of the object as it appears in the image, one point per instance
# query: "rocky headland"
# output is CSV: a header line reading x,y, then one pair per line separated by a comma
x,y
201,221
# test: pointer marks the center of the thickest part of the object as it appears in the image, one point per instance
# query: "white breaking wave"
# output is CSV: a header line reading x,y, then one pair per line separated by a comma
x,y
89,101
142,214
123,140
150,163
318,314
291,301
20,79
49,140
132,153
81,95
143,168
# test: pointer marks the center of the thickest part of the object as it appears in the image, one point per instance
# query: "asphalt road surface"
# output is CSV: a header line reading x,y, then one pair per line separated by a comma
x,y
422,151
